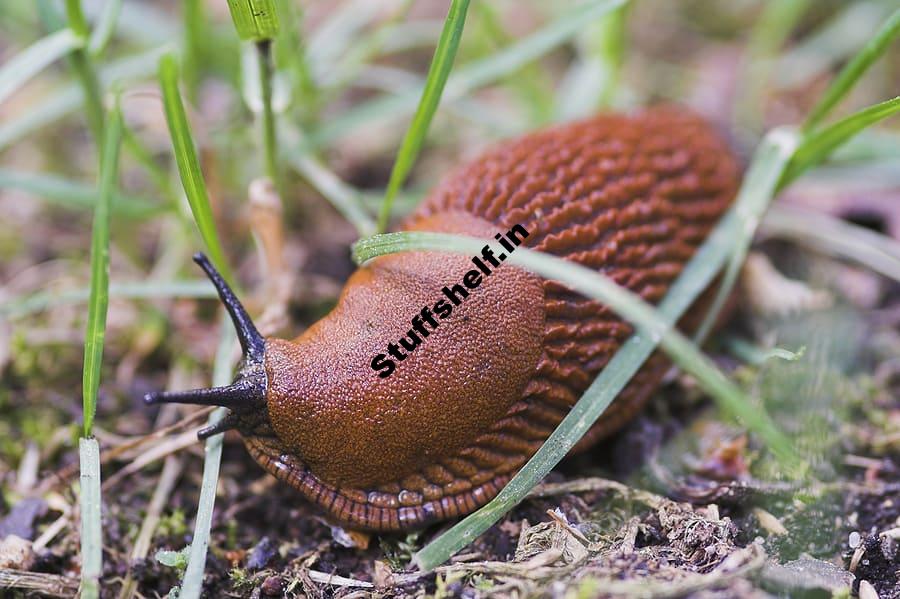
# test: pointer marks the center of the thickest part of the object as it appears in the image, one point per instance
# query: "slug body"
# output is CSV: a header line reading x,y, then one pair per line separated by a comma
x,y
630,196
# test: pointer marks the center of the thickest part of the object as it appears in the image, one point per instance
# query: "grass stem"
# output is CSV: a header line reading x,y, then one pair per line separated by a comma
x,y
85,72
270,140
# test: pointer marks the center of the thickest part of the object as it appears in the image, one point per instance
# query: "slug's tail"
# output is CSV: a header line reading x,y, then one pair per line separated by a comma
x,y
248,392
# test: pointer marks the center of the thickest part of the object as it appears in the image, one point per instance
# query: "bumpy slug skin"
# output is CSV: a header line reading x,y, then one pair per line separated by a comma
x,y
632,197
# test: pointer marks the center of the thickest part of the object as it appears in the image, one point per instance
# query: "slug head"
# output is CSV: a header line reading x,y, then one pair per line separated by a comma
x,y
246,396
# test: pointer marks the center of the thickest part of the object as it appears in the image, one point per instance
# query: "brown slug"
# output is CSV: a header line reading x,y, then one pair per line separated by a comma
x,y
630,196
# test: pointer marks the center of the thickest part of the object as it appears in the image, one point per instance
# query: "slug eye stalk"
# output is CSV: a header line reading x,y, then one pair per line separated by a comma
x,y
252,343
248,391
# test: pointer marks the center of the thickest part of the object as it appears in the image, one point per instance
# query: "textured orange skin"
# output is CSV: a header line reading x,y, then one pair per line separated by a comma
x,y
632,197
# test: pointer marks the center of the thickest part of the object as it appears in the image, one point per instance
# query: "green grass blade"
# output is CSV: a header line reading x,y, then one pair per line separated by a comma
x,y
254,19
441,64
91,534
530,83
343,197
269,136
188,163
69,98
334,36
193,14
817,146
89,451
835,237
31,61
769,163
475,75
105,27
70,194
831,43
140,290
99,296
192,584
653,327
854,69
76,19
794,160
83,67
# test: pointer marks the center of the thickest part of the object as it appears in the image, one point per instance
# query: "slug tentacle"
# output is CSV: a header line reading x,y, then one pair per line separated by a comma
x,y
252,343
241,395
248,392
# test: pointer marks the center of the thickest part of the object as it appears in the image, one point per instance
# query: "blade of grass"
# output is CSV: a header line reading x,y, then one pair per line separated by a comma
x,y
193,14
343,197
31,61
74,195
140,290
835,237
76,18
814,147
872,145
331,39
531,82
441,64
254,19
85,72
390,35
269,137
89,451
99,296
105,27
291,56
192,584
69,98
91,535
853,70
812,150
841,36
769,163
475,75
188,163
817,146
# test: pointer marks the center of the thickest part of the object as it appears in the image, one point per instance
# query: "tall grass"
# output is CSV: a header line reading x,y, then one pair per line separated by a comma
x,y
47,50
89,450
192,583
188,162
441,64
84,69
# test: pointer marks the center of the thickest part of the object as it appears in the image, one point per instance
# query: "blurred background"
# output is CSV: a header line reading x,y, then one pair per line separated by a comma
x,y
348,77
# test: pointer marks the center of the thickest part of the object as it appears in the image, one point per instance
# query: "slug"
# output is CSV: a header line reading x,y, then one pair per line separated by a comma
x,y
630,196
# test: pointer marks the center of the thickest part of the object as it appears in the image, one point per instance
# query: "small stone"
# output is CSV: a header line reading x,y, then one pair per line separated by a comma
x,y
855,540
866,590
16,553
262,554
273,586
383,576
